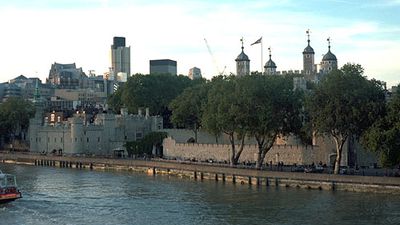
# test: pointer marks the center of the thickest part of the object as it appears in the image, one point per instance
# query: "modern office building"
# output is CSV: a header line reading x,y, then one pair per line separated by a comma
x,y
120,57
194,73
163,66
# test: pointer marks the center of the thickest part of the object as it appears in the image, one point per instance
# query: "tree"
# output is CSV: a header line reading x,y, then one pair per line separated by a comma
x,y
273,109
345,103
187,108
145,146
383,137
14,117
115,100
223,113
154,91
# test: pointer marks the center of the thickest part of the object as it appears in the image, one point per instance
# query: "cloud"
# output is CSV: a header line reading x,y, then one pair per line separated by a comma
x,y
83,34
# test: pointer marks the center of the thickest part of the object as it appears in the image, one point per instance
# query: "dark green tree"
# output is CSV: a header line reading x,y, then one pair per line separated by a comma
x,y
345,103
154,91
187,108
383,137
224,113
14,117
145,146
115,100
272,108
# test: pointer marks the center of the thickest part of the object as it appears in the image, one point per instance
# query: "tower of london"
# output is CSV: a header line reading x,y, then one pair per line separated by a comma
x,y
311,71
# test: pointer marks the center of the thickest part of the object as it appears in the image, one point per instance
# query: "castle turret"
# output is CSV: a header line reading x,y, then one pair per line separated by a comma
x,y
308,58
242,63
329,61
77,137
270,66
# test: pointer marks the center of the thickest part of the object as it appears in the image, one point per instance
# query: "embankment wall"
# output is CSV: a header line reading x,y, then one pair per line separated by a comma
x,y
218,173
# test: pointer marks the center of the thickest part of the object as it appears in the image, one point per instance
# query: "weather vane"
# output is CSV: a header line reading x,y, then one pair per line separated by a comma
x,y
241,40
329,42
269,49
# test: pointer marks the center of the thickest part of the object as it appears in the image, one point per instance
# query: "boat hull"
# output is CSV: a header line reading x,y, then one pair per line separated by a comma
x,y
4,198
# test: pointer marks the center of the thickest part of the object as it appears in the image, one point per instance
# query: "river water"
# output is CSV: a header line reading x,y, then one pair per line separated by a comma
x,y
72,196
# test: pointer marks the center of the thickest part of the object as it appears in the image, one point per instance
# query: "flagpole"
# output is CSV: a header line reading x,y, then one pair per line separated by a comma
x,y
262,69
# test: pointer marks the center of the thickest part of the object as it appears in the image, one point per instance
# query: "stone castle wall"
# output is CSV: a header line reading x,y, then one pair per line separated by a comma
x,y
289,154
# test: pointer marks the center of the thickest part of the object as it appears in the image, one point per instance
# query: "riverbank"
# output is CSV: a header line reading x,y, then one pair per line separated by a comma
x,y
218,173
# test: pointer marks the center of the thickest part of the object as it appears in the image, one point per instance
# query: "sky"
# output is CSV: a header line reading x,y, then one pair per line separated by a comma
x,y
37,33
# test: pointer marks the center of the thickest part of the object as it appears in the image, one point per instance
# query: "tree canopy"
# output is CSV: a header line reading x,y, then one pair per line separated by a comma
x,y
345,103
14,116
273,109
154,91
145,146
258,106
188,107
223,113
383,137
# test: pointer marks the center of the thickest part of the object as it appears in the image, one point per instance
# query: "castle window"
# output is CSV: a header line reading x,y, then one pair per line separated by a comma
x,y
55,140
61,139
76,140
87,139
98,139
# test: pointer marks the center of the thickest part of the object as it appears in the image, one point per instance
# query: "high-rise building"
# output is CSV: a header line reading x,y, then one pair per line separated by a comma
x,y
163,66
120,57
194,73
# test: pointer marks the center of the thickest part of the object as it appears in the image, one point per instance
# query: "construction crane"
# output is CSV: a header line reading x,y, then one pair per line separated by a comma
x,y
213,59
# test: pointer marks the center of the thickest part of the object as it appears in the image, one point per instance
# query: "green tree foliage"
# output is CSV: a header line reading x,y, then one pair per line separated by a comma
x,y
224,113
345,103
187,108
383,136
154,91
258,106
14,116
145,146
115,100
271,109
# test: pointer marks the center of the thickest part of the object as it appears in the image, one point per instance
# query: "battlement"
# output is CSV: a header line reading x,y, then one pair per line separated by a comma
x,y
284,72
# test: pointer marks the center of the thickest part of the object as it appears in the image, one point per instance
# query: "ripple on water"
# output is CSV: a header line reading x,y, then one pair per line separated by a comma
x,y
69,196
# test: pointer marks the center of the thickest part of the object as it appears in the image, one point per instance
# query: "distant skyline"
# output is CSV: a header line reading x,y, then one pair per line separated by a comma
x,y
37,33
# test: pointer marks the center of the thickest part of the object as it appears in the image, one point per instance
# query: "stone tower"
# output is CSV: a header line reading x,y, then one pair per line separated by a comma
x,y
329,61
308,58
270,66
242,63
